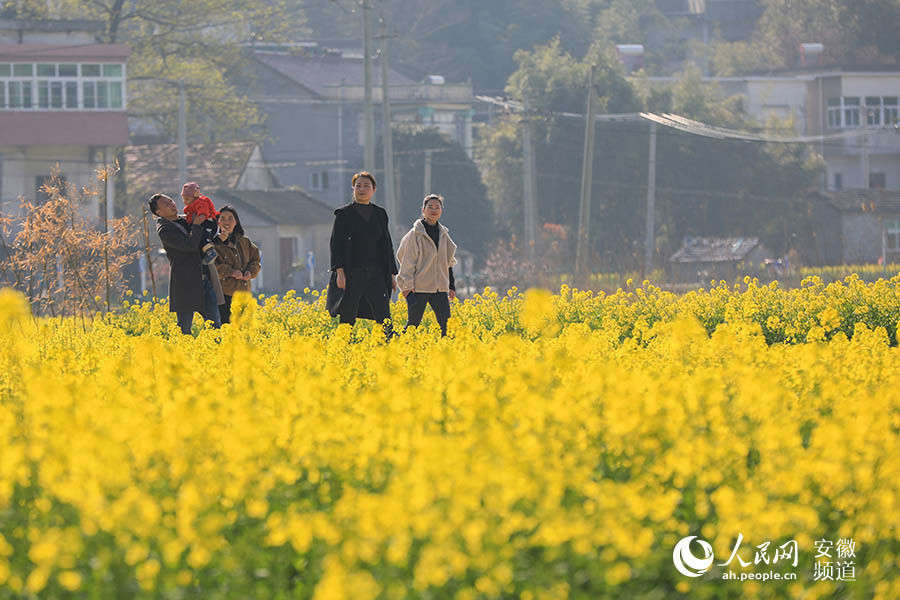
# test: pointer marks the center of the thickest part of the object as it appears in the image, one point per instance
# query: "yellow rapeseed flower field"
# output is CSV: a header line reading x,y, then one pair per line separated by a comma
x,y
553,446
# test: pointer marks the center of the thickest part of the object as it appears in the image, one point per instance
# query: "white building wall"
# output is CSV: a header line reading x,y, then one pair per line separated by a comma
x,y
848,167
779,98
870,84
22,166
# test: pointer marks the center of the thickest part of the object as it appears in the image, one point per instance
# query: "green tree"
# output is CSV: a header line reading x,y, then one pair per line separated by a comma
x,y
713,187
878,23
704,186
733,58
550,81
785,24
852,31
198,42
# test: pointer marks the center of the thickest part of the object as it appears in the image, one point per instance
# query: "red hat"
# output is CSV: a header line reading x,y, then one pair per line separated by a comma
x,y
190,187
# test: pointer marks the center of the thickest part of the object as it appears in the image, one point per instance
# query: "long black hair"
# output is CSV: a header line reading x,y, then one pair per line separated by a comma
x,y
238,228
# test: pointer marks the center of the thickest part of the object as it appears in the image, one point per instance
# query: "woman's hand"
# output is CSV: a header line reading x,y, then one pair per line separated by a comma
x,y
452,294
393,283
341,279
236,274
407,293
247,276
223,235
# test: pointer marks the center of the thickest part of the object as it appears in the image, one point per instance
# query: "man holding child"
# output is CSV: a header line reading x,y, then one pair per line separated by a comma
x,y
193,285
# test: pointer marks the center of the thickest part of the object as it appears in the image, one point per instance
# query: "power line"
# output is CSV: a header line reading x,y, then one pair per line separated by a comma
x,y
639,130
684,124
672,190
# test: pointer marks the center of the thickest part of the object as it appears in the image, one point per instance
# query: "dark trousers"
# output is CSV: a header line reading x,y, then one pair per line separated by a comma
x,y
225,310
210,310
415,308
366,285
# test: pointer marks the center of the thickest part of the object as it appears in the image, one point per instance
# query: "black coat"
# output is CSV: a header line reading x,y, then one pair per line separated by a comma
x,y
183,252
346,224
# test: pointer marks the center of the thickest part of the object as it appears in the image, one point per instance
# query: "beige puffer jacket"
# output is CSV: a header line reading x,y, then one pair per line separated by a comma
x,y
423,267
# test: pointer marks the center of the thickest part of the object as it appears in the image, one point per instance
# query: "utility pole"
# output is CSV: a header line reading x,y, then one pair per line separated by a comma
x,y
587,176
387,142
369,156
865,148
182,135
649,243
427,172
340,133
529,186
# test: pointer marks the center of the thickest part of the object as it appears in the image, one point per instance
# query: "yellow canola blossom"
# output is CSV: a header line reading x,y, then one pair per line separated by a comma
x,y
553,446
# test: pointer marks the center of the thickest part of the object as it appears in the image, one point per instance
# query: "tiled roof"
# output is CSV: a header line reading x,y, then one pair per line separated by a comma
x,y
151,168
68,53
280,207
323,74
862,200
714,249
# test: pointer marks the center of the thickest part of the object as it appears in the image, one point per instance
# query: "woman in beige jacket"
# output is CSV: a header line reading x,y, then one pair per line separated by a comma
x,y
426,256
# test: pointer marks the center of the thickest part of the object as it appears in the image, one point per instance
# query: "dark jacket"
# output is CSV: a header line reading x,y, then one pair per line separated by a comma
x,y
183,252
237,253
347,223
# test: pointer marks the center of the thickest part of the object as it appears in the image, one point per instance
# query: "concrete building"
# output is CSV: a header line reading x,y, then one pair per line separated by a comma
x,y
823,100
153,168
62,102
312,96
855,227
292,231
826,100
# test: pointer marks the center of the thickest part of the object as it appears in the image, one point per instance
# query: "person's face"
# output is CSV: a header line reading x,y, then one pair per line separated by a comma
x,y
432,211
189,196
227,221
166,208
363,190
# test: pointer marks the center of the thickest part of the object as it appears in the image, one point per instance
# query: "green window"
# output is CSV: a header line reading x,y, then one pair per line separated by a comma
x,y
23,70
88,91
56,94
115,94
102,95
43,94
71,94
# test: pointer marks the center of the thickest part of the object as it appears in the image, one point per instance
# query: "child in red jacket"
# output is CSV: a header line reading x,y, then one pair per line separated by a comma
x,y
197,204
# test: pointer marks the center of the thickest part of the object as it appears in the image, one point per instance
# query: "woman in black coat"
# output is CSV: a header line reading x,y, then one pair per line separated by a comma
x,y
363,268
